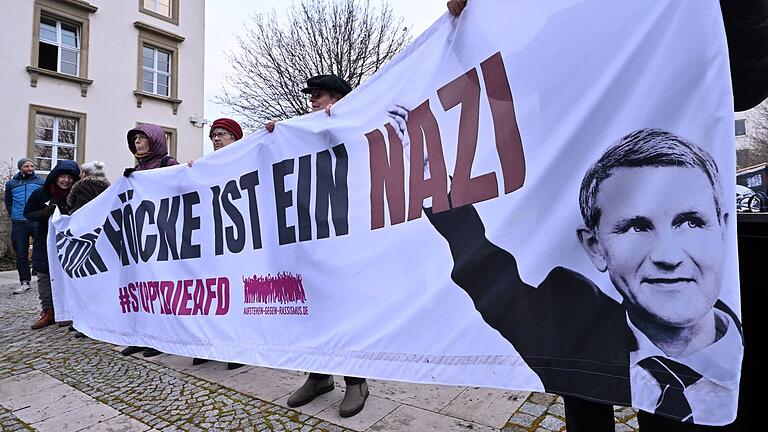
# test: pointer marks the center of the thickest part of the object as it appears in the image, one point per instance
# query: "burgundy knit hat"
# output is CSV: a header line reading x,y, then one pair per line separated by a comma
x,y
228,125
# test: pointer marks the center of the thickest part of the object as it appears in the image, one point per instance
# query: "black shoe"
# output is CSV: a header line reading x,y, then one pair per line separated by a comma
x,y
132,350
354,399
311,389
78,334
198,361
151,352
232,366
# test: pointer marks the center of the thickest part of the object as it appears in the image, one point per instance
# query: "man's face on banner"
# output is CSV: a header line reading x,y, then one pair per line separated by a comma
x,y
661,241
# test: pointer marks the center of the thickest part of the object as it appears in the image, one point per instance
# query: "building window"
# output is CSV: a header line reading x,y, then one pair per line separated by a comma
x,y
55,135
741,127
59,46
158,65
167,10
163,7
156,71
60,41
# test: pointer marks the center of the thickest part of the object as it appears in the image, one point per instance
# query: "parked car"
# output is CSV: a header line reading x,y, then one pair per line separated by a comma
x,y
743,197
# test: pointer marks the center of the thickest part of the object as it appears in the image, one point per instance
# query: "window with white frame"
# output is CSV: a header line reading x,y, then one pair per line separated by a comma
x,y
55,140
163,7
741,127
156,71
59,46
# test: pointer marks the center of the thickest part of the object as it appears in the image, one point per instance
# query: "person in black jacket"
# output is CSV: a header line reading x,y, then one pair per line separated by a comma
x,y
40,206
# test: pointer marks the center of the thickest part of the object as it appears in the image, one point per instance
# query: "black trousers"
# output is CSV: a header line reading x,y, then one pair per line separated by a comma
x,y
582,415
347,380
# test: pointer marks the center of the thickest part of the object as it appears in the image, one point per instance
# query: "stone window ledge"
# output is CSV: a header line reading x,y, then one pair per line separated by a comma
x,y
35,73
140,95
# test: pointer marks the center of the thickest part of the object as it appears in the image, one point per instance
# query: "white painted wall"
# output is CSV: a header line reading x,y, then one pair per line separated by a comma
x,y
110,105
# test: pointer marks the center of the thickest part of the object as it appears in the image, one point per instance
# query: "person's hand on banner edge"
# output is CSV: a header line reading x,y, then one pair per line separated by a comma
x,y
128,171
456,6
48,210
190,163
270,126
327,109
399,116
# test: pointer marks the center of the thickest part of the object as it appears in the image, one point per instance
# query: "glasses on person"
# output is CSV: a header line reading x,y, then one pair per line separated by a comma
x,y
317,94
219,134
141,137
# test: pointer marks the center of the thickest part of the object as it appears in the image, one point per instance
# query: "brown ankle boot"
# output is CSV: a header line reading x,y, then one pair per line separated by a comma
x,y
46,319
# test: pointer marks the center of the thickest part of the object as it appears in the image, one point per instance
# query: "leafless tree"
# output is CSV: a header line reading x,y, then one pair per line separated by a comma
x,y
756,151
349,38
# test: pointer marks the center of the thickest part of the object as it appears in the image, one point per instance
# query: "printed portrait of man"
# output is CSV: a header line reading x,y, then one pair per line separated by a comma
x,y
654,219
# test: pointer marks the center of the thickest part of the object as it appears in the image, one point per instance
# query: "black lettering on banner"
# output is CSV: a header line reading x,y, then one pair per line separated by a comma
x,y
166,227
303,196
332,188
147,245
283,200
248,183
235,234
190,224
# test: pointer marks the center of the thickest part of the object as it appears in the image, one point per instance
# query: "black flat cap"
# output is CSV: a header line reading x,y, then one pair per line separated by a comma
x,y
328,82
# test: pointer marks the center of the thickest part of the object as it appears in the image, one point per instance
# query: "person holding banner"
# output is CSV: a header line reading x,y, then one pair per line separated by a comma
x,y
147,143
224,131
40,207
671,347
324,91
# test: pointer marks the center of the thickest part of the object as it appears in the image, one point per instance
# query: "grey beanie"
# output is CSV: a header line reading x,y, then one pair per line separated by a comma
x,y
22,161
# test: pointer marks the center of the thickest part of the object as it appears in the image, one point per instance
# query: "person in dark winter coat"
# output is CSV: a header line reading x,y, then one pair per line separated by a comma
x,y
147,143
17,192
88,188
92,183
40,206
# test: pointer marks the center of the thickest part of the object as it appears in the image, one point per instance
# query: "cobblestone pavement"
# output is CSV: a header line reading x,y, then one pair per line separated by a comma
x,y
168,395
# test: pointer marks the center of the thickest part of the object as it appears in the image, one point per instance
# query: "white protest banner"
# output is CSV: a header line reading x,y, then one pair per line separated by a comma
x,y
536,196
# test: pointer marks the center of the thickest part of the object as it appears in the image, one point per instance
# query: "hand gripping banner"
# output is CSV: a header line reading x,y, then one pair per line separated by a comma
x,y
533,196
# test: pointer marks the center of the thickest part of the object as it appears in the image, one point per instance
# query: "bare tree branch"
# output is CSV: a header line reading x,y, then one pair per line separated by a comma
x,y
274,57
756,151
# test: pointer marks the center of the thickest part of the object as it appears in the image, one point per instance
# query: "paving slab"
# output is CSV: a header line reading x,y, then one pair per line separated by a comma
x,y
25,384
489,407
76,419
375,410
408,418
121,423
425,396
264,383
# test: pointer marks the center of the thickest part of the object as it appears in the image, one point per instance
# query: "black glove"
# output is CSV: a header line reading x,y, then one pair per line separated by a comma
x,y
48,211
128,172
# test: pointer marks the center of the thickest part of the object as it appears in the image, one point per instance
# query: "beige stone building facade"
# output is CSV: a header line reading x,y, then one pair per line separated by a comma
x,y
76,75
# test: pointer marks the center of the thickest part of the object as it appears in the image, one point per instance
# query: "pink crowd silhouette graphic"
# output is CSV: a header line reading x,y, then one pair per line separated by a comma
x,y
285,287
